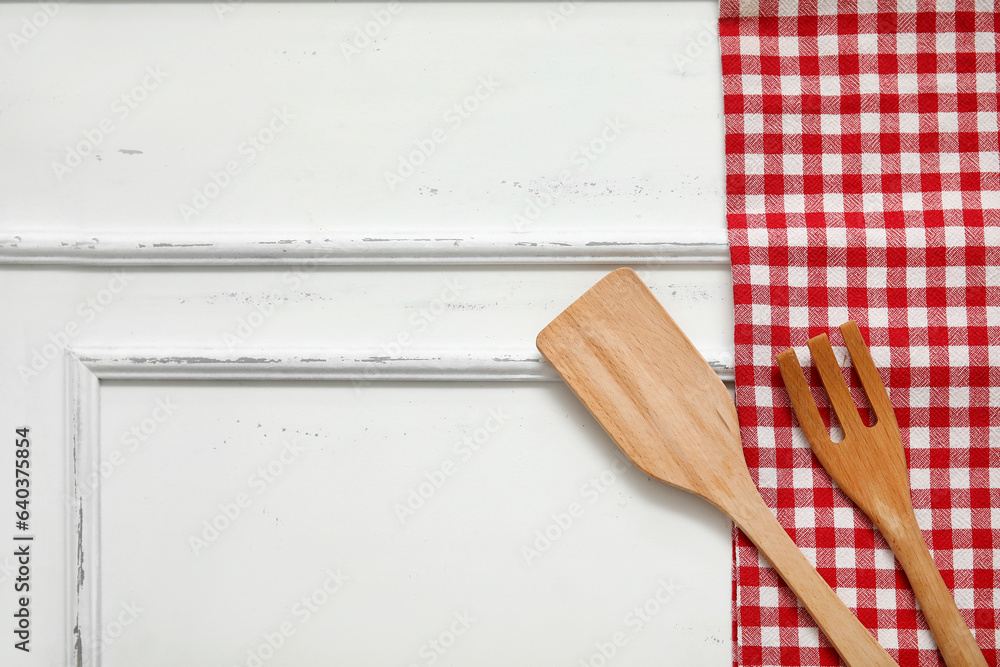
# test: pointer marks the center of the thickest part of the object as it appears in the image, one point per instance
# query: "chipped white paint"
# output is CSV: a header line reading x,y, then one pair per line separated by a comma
x,y
230,249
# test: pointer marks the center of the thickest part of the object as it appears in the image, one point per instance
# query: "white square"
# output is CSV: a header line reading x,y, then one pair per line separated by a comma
x,y
906,42
757,237
795,204
829,85
959,479
871,123
907,83
948,121
833,202
913,201
885,599
833,163
764,396
836,237
916,277
791,123
872,202
827,45
909,123
755,204
837,315
951,200
916,237
836,276
878,317
768,596
792,164
798,276
909,163
925,640
923,518
958,356
790,84
875,237
749,45
753,123
871,163
802,478
761,314
986,42
830,124
947,82
920,397
845,558
986,121
788,46
759,274
888,637
920,478
986,82
920,355
954,276
958,397
809,637
798,238
767,478
989,161
945,40
920,436
752,84
762,355
805,517
843,517
957,316
949,163
753,164
989,199
868,83
798,316
867,43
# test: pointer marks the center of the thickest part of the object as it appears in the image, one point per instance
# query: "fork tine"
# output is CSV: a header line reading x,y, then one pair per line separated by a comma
x,y
833,382
802,400
861,358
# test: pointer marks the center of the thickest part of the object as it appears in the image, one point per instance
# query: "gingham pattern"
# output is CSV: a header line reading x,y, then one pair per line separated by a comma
x,y
862,162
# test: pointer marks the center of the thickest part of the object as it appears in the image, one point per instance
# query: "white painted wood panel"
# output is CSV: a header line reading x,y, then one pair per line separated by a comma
x,y
306,270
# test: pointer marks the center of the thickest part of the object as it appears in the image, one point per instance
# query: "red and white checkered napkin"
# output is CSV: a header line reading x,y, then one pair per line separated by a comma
x,y
861,151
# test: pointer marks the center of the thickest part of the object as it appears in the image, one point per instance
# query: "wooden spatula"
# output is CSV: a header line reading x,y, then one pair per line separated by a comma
x,y
658,399
870,467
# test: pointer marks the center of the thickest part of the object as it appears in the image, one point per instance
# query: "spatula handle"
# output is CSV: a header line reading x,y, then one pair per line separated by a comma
x,y
856,646
954,639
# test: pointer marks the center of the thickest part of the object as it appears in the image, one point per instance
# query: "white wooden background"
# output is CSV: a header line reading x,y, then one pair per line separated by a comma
x,y
207,272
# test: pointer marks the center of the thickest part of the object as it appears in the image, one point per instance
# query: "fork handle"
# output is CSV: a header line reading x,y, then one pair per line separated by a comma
x,y
954,639
855,644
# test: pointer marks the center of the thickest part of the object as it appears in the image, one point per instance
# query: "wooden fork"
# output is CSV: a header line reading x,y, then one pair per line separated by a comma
x,y
870,466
